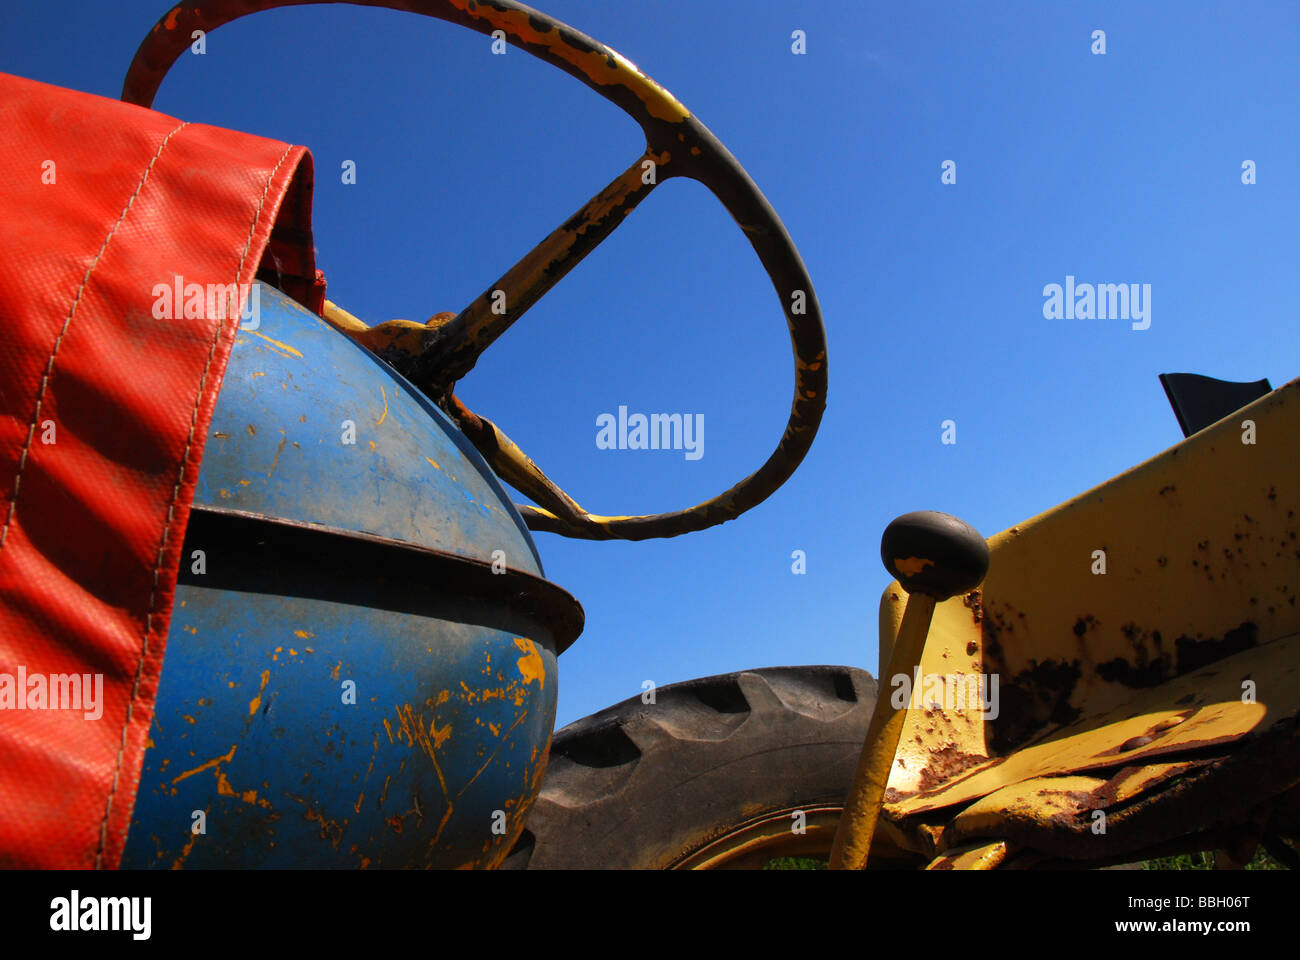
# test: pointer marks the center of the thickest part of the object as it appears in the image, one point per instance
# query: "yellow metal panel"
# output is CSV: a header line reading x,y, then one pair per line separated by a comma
x,y
1201,562
1072,802
1192,712
980,856
935,745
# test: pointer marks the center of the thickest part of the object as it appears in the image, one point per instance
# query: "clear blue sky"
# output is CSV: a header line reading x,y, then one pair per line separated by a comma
x,y
1117,168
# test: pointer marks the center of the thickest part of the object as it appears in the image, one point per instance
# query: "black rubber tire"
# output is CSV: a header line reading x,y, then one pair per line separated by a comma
x,y
647,785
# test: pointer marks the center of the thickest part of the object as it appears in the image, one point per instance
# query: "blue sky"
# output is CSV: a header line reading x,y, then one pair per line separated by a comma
x,y
1121,168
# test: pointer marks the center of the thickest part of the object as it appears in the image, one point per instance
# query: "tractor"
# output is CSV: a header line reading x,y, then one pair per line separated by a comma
x,y
345,654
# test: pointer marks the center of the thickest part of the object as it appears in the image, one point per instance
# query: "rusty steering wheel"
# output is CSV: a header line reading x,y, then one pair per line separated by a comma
x,y
435,356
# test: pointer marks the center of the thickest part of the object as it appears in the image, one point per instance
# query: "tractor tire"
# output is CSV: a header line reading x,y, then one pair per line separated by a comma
x,y
716,772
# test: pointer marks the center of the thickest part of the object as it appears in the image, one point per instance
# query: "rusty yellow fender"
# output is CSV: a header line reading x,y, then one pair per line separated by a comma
x,y
1141,649
976,856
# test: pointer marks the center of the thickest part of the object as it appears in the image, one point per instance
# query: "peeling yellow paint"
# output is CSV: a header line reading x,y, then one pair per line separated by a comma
x,y
330,830
283,346
601,65
248,796
215,761
439,736
257,700
911,566
275,462
531,666
189,845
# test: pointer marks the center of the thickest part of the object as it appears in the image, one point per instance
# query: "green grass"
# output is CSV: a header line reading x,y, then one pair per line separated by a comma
x,y
1205,861
1186,861
795,863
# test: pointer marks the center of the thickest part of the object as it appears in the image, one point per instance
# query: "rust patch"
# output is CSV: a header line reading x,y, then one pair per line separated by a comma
x,y
1144,669
1148,670
1033,698
1083,625
1142,780
1039,695
945,763
1194,654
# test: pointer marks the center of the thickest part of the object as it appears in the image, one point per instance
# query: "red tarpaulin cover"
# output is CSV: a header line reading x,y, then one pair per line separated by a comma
x,y
103,414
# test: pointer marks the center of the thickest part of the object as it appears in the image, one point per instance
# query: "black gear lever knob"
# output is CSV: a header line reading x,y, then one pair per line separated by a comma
x,y
934,554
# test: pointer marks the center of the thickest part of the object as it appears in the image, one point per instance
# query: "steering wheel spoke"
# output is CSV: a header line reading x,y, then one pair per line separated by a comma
x,y
452,349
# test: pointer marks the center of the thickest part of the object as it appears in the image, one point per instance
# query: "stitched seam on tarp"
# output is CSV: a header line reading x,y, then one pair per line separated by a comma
x,y
171,509
58,341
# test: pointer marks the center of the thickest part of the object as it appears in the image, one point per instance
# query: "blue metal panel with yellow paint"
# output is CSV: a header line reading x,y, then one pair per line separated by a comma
x,y
361,666
295,392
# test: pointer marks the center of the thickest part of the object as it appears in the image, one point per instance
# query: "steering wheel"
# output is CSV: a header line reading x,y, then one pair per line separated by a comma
x,y
436,355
